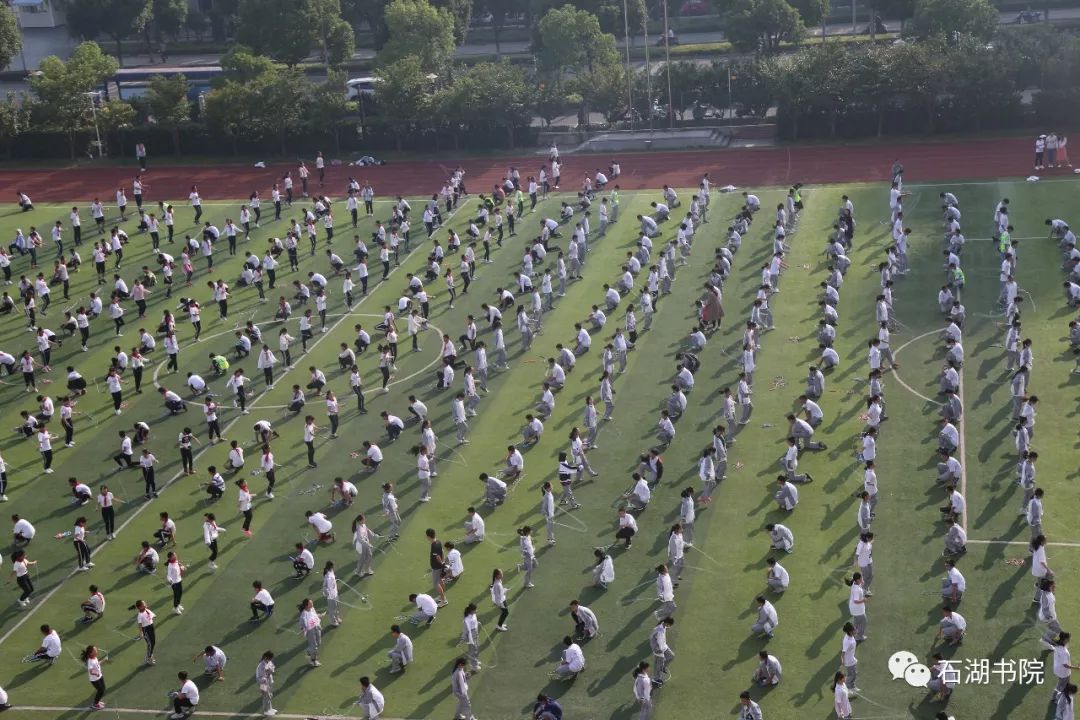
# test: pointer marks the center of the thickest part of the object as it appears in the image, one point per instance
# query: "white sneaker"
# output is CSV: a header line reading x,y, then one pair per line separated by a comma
x,y
212,565
49,471
271,712
3,498
89,564
69,445
269,496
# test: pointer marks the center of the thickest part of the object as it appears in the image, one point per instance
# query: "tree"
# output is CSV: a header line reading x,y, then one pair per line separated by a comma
x,y
328,108
333,36
10,37
241,64
461,11
571,40
417,29
404,95
168,103
197,24
491,96
941,18
370,13
872,83
688,84
228,107
276,28
115,115
791,89
919,74
499,10
168,19
606,91
827,68
609,13
811,11
761,25
61,88
14,118
116,19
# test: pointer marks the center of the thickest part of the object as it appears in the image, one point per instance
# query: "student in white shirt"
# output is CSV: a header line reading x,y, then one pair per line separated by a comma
x,y
185,699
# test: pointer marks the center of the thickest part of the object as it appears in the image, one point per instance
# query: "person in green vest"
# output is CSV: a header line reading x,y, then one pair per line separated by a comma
x,y
957,276
1005,241
614,197
219,364
519,199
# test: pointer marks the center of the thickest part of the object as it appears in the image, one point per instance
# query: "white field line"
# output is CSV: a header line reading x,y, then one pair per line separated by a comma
x,y
896,375
1022,542
201,712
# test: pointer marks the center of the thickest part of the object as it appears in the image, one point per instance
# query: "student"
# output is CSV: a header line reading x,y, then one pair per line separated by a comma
x,y
324,529
330,592
210,538
147,559
857,606
371,701
82,551
459,687
498,598
262,602
768,672
767,619
661,651
214,661
303,561
93,671
144,618
93,607
643,690
20,570
572,662
50,648
528,554
401,655
426,608
264,678
603,570
952,626
748,709
841,701
185,699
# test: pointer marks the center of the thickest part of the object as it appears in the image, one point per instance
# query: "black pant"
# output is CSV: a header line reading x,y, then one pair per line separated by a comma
x,y
271,478
69,432
359,392
188,459
150,638
213,428
99,690
177,593
116,399
148,480
25,585
247,520
241,398
46,457
137,374
504,612
181,704
213,550
123,460
82,552
310,453
108,516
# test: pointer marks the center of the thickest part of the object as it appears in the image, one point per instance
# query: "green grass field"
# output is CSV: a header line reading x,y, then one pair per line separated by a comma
x,y
715,652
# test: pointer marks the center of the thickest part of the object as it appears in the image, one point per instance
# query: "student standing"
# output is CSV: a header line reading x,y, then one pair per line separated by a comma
x,y
841,701
78,539
97,679
105,500
174,578
857,606
643,690
311,626
264,678
847,656
459,686
470,635
210,538
144,617
20,570
243,500
498,598
330,592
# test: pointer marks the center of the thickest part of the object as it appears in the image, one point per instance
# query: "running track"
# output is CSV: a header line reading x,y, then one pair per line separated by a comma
x,y
981,159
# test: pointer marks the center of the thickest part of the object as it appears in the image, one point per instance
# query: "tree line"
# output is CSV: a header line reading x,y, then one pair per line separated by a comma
x,y
953,71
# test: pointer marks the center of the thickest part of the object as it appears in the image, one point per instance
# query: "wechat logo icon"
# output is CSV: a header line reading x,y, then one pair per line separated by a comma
x,y
904,664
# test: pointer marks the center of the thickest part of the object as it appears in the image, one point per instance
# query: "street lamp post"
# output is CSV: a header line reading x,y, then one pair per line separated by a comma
x,y
629,70
648,70
667,65
93,95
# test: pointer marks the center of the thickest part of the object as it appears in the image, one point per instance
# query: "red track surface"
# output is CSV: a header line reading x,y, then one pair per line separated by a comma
x,y
982,159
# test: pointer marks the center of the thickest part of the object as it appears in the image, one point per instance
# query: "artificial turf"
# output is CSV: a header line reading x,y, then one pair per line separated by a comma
x,y
715,654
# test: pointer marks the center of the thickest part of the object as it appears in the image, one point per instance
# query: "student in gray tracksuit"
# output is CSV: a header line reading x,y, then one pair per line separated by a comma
x,y
661,651
459,686
401,655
